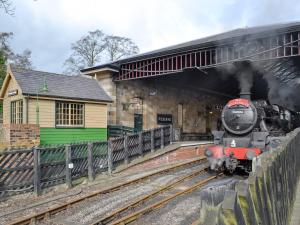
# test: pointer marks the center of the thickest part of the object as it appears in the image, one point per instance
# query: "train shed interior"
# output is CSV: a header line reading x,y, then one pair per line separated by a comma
x,y
188,84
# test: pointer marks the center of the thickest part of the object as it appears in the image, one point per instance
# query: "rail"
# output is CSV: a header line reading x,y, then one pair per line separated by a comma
x,y
36,217
134,216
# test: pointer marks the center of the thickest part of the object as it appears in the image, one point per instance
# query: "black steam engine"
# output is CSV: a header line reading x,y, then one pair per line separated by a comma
x,y
249,129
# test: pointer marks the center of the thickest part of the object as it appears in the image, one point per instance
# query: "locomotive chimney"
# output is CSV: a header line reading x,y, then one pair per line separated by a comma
x,y
245,95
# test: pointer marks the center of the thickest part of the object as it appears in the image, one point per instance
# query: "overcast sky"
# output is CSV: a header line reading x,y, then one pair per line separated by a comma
x,y
48,27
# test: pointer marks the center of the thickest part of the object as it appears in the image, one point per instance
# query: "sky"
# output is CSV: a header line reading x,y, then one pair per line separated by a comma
x,y
48,27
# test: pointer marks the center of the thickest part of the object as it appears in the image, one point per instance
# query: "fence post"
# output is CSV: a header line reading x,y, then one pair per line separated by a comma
x,y
141,143
162,142
37,171
69,165
152,140
126,153
91,173
109,157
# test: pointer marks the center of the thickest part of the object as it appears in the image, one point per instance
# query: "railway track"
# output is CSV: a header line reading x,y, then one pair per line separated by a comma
x,y
116,217
34,218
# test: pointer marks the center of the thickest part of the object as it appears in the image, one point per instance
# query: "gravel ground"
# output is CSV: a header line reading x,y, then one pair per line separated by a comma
x,y
184,210
180,211
61,194
98,207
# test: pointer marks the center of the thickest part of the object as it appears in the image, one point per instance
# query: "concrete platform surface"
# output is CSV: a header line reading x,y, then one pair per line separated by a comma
x,y
159,153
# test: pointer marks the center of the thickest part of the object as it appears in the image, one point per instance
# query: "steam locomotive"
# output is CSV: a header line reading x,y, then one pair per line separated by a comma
x,y
248,129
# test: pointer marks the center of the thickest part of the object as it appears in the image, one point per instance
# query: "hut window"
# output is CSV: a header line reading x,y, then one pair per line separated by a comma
x,y
69,114
16,112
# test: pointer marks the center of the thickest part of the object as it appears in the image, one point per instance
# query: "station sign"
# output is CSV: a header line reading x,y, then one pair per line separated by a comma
x,y
12,93
164,119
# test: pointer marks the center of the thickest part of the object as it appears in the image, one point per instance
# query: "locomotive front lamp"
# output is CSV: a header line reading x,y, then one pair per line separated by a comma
x,y
208,153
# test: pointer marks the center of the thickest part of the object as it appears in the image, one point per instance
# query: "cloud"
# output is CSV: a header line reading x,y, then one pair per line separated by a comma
x,y
48,27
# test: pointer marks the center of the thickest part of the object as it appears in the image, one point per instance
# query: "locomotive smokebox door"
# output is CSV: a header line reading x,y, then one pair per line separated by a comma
x,y
239,116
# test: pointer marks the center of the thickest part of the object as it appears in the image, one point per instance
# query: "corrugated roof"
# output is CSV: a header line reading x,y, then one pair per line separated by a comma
x,y
59,86
214,40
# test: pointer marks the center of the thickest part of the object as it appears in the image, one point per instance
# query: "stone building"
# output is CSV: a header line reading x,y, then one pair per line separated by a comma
x,y
46,108
152,102
186,85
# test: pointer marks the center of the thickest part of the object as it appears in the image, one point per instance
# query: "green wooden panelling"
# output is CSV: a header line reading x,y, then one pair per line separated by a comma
x,y
51,136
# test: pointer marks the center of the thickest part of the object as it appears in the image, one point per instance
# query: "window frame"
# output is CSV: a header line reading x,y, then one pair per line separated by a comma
x,y
69,125
16,117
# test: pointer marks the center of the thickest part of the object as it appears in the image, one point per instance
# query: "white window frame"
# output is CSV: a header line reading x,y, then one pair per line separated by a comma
x,y
16,111
69,114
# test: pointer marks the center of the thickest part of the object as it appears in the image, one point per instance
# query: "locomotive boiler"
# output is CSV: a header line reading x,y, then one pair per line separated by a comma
x,y
248,129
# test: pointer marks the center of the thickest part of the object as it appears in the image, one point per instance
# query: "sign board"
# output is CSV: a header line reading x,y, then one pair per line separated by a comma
x,y
218,107
71,165
12,93
164,119
136,100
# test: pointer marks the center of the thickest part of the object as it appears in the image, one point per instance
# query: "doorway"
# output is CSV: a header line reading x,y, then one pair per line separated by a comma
x,y
138,122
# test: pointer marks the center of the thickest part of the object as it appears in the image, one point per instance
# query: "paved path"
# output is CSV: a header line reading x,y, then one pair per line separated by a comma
x,y
296,211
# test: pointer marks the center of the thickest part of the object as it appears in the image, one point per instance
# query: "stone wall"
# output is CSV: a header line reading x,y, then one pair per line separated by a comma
x,y
19,135
192,110
195,109
106,82
266,197
3,141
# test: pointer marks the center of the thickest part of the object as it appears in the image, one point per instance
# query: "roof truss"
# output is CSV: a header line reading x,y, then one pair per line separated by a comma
x,y
268,48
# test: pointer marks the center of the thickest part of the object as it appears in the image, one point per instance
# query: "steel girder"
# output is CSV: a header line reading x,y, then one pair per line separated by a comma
x,y
268,48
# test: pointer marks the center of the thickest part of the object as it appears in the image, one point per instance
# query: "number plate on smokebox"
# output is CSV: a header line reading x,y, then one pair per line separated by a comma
x,y
237,111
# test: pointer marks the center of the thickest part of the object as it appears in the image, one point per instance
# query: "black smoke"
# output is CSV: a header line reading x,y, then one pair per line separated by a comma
x,y
283,78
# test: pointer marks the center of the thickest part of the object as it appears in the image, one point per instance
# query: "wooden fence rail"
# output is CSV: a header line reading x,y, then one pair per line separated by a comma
x,y
41,167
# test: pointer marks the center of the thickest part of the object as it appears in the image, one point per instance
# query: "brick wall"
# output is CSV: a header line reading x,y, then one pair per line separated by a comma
x,y
19,135
3,140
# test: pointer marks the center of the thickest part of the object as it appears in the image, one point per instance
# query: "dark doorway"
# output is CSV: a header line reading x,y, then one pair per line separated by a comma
x,y
208,119
138,122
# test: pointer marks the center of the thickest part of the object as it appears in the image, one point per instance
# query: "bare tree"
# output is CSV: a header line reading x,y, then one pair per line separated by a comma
x,y
22,60
4,44
7,6
96,46
119,47
86,52
2,68
8,56
5,53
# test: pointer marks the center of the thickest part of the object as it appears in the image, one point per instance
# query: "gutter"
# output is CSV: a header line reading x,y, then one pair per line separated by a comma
x,y
53,97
